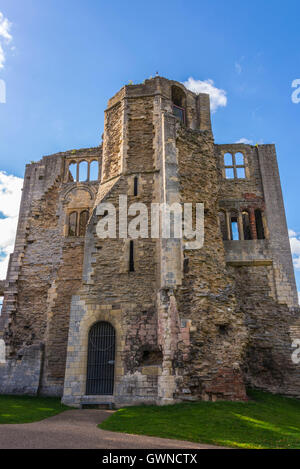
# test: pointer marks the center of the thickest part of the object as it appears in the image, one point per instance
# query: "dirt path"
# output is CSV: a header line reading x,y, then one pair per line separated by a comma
x,y
77,429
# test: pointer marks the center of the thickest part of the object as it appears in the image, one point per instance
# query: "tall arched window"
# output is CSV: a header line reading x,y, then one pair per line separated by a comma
x,y
94,170
179,103
83,171
259,224
72,224
246,225
72,177
234,226
83,219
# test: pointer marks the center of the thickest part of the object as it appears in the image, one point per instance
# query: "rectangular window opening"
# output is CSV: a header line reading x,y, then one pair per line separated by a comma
x,y
135,188
131,256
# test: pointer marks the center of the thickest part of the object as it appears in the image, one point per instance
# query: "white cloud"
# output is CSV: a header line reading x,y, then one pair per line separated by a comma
x,y
299,297
5,27
295,248
2,56
10,197
295,245
245,140
5,36
218,96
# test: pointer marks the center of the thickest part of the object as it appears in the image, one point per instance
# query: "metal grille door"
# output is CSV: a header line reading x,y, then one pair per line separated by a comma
x,y
101,359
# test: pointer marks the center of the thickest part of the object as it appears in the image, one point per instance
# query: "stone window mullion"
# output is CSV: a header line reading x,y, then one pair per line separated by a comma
x,y
240,226
228,225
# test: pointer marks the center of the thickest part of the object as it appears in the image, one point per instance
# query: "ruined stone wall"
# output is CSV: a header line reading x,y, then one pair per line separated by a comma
x,y
112,143
45,270
110,291
210,357
140,134
263,271
271,330
190,324
261,189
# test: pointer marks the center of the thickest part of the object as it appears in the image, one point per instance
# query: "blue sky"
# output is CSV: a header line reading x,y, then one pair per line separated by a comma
x,y
65,58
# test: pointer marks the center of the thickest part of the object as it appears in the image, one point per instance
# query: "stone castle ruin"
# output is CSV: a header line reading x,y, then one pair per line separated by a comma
x,y
125,321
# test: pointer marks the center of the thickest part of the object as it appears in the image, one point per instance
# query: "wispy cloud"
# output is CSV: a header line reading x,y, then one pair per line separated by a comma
x,y
5,37
238,68
238,65
10,196
245,140
218,96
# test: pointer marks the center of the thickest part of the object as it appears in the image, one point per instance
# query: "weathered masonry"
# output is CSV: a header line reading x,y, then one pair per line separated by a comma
x,y
149,320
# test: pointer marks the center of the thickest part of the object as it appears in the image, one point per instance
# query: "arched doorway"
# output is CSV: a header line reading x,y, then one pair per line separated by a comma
x,y
101,359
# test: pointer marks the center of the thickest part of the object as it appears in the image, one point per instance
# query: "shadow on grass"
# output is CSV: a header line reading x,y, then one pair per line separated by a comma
x,y
26,409
266,421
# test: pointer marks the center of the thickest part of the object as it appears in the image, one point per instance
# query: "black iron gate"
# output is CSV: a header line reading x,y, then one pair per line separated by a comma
x,y
101,359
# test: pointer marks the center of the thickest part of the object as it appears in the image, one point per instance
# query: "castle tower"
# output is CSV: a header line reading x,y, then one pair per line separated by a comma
x,y
151,320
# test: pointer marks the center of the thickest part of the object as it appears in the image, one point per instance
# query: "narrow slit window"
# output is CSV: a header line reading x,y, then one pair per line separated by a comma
x,y
135,186
131,256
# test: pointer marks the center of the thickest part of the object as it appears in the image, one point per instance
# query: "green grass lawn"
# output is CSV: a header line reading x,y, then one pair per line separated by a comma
x,y
25,409
265,421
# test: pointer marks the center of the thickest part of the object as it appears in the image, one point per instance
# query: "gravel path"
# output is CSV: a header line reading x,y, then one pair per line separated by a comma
x,y
77,429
